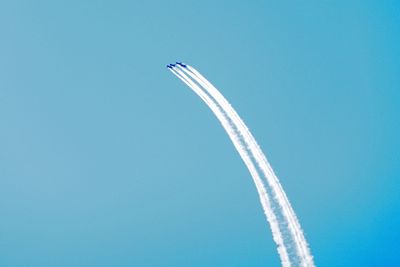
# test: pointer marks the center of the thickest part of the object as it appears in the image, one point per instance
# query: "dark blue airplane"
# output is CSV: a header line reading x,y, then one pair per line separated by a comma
x,y
181,64
170,66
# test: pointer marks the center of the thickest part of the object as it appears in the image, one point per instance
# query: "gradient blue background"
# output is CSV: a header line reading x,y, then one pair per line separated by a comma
x,y
107,159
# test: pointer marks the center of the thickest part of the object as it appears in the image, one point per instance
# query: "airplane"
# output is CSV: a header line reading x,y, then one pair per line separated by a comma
x,y
181,64
170,66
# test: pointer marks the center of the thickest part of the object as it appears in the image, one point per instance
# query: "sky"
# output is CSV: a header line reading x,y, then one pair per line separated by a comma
x,y
107,159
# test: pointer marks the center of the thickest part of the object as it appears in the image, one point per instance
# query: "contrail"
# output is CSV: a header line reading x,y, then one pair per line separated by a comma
x,y
240,147
287,211
286,230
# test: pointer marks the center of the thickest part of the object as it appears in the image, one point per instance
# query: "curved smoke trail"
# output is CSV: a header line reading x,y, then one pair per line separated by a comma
x,y
287,234
241,148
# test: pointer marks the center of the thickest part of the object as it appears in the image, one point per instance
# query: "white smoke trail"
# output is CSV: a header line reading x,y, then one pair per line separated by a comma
x,y
264,198
293,224
294,242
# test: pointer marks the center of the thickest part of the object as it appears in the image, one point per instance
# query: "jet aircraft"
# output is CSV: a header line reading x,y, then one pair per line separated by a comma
x,y
181,64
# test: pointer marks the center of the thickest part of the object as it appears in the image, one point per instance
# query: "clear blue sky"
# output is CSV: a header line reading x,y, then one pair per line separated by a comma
x,y
107,159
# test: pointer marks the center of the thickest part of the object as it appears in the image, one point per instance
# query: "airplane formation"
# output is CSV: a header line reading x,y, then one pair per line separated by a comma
x,y
170,66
